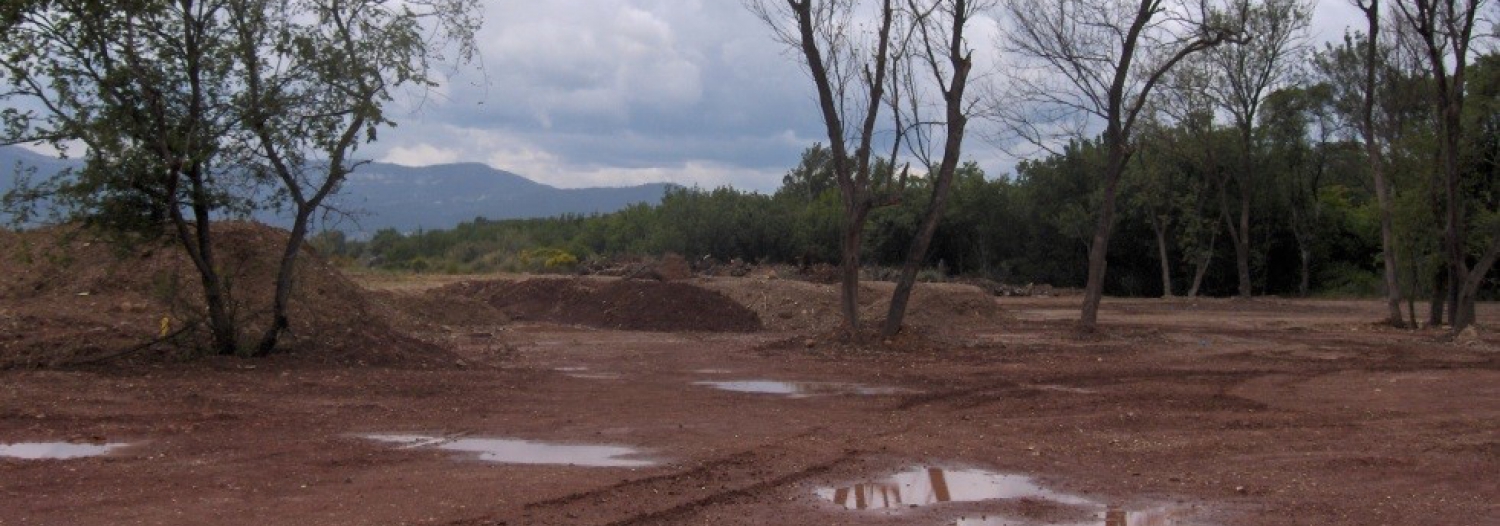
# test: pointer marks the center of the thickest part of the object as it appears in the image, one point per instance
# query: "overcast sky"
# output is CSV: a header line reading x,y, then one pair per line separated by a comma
x,y
578,93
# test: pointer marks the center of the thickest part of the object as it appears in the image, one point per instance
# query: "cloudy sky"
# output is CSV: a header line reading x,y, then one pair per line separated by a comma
x,y
578,93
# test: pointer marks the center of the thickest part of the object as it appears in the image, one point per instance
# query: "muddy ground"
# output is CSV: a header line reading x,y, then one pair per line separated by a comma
x,y
1213,412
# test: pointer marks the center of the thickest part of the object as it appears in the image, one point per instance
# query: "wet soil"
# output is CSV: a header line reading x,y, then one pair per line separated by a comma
x,y
1263,412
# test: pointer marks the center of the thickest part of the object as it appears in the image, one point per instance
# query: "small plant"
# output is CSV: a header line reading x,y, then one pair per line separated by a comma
x,y
548,259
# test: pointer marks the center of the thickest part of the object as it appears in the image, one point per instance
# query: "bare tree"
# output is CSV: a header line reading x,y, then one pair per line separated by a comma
x,y
850,71
876,82
1245,71
1088,62
938,49
1444,30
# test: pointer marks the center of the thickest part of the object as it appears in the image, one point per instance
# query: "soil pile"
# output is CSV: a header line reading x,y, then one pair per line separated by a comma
x,y
67,296
800,306
612,304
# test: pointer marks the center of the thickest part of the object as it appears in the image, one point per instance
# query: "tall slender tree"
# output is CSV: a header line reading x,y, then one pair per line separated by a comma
x,y
873,83
1096,62
1243,73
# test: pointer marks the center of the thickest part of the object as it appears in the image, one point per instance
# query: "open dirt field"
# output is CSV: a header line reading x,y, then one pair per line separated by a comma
x,y
1211,412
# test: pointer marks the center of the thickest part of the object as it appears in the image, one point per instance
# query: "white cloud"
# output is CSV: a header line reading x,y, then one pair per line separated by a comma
x,y
420,155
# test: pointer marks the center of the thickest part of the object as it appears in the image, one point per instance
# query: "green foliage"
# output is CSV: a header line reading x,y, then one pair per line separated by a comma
x,y
548,259
1033,227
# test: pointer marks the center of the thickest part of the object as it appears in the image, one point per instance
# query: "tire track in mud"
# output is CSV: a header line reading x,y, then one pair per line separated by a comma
x,y
654,499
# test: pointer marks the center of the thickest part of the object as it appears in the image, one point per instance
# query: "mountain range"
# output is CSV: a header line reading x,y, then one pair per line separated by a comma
x,y
406,198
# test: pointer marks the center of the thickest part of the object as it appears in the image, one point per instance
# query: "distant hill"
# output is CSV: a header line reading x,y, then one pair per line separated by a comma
x,y
430,197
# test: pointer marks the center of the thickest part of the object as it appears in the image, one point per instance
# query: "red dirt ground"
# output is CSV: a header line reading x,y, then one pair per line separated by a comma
x,y
1260,412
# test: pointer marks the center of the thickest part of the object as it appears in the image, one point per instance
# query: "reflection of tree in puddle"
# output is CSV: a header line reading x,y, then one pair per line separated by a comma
x,y
1114,516
928,486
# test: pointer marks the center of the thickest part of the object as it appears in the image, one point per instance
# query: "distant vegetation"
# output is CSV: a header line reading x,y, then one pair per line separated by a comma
x,y
1029,228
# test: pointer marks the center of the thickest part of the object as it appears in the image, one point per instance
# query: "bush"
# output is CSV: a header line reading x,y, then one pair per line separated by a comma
x,y
1342,279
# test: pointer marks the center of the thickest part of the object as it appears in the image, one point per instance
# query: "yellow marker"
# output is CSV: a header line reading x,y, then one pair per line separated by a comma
x,y
166,326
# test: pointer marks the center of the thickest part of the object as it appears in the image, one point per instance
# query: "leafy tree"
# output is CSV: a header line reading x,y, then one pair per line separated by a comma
x,y
1444,34
192,109
1243,73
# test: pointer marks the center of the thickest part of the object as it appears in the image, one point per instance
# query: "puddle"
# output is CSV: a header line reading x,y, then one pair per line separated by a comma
x,y
573,369
1167,516
56,450
513,451
928,486
924,486
801,389
1063,389
595,376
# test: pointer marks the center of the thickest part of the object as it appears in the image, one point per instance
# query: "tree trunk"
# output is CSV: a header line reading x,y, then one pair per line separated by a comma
x,y
1467,294
916,254
1377,165
1202,268
1304,252
1439,298
1387,241
197,239
1304,287
1411,294
1242,241
285,279
1093,292
849,270
1159,226
1453,235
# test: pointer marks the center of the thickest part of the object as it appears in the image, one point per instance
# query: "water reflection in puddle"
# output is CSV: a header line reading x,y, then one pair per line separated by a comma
x,y
801,389
56,450
927,486
594,376
513,451
1062,389
1168,516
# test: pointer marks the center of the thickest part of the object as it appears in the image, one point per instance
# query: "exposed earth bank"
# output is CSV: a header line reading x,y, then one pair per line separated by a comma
x,y
1217,412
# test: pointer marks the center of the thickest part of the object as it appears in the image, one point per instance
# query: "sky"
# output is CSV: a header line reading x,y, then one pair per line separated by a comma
x,y
581,93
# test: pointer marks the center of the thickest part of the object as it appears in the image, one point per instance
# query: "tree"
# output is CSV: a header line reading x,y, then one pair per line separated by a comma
x,y
1444,31
1098,60
146,87
189,109
1244,72
314,88
1376,160
1290,119
864,80
942,52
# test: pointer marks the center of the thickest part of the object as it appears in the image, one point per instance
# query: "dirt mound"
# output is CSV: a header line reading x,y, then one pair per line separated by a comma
x,y
800,306
613,304
68,296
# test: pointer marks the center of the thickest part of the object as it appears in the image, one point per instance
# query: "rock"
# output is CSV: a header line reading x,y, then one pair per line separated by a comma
x,y
1469,336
